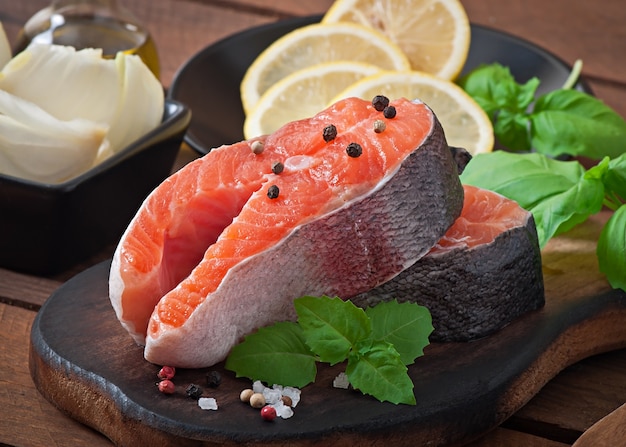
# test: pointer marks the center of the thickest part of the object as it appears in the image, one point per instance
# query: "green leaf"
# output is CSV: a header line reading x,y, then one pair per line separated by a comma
x,y
611,249
331,326
526,178
557,193
512,130
494,88
575,123
615,178
381,374
571,207
276,355
405,325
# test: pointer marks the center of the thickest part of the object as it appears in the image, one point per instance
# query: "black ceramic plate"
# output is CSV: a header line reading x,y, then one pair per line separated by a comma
x,y
209,82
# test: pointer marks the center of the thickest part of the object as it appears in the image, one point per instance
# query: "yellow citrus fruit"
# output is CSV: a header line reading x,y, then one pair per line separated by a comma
x,y
434,34
464,122
302,94
316,44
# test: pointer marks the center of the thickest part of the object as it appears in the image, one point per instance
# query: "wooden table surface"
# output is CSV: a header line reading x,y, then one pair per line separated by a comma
x,y
566,408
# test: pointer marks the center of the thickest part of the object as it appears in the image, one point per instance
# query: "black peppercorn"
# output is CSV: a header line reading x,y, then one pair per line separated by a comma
x,y
194,391
277,167
329,133
389,112
380,102
213,379
273,191
354,150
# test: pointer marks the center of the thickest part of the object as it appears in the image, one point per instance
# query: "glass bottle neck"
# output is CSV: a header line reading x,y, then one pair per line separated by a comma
x,y
101,3
102,8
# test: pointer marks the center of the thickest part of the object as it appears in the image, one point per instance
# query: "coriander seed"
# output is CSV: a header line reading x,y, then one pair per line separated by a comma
x,y
245,395
257,147
379,126
257,400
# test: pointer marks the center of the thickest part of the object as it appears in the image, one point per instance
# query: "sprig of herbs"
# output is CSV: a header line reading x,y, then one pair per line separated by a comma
x,y
563,121
560,194
377,342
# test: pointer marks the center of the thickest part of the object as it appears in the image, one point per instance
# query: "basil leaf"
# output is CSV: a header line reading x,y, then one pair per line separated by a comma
x,y
526,178
380,373
575,123
405,325
494,88
276,355
483,84
615,178
512,130
557,193
331,326
611,249
564,211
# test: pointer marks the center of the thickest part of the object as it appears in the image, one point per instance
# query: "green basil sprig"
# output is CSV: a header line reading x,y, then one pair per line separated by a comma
x,y
561,195
561,122
377,342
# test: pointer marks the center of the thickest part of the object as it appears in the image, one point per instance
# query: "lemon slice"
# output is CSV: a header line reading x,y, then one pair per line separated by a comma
x,y
302,94
316,44
434,34
464,122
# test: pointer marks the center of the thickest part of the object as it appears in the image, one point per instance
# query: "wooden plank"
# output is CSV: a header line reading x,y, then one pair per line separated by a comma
x,y
25,291
577,398
605,431
26,417
510,438
570,29
493,379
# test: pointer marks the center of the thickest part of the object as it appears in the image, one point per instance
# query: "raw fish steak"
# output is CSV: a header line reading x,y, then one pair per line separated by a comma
x,y
484,272
226,244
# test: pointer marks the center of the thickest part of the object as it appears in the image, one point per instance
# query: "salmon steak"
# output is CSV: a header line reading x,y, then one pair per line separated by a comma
x,y
336,204
483,273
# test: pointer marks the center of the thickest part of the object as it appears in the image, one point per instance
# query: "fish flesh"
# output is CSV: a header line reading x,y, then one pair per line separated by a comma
x,y
484,272
330,206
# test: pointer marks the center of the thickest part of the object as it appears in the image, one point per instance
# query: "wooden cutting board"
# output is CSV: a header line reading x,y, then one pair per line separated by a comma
x,y
85,363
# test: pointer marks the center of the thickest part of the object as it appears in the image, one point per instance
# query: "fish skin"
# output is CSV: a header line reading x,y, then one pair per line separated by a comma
x,y
472,293
366,242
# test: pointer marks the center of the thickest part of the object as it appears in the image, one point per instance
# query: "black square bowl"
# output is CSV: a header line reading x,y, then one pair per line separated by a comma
x,y
45,228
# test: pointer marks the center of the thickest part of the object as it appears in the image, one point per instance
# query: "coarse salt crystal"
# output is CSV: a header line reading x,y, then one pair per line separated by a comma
x,y
341,381
271,396
258,386
207,403
282,411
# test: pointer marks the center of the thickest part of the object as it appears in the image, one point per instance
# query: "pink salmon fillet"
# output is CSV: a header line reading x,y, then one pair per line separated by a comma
x,y
210,256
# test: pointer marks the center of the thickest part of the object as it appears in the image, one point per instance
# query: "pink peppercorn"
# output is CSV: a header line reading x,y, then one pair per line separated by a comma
x,y
268,413
167,372
166,386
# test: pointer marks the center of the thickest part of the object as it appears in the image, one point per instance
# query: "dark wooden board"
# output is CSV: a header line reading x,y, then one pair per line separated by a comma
x,y
84,362
606,431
